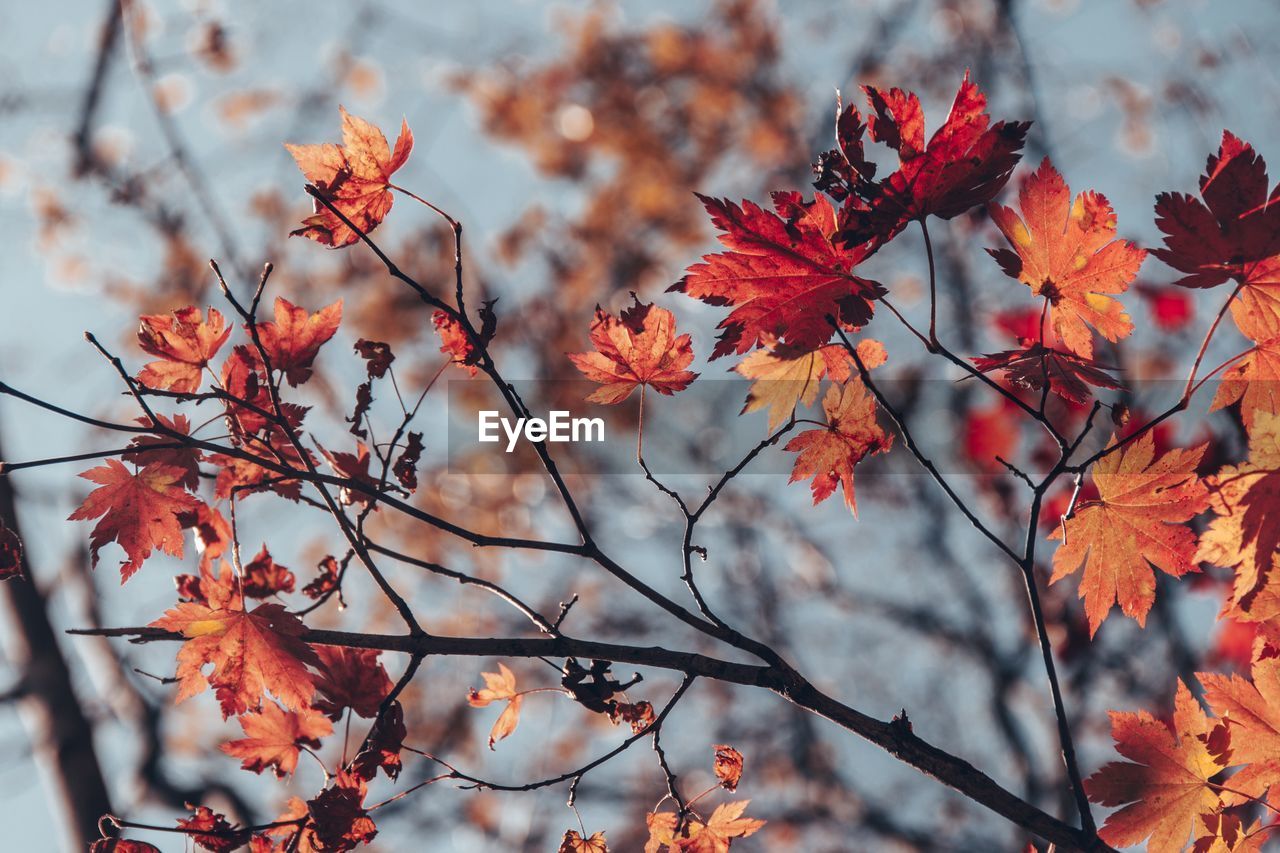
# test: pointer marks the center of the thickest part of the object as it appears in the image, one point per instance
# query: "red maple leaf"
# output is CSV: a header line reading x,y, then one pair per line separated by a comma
x,y
852,434
142,450
783,274
264,577
274,738
251,653
338,817
457,343
326,581
185,343
1067,254
1068,375
141,511
1231,232
385,743
295,337
355,177
639,347
211,830
963,165
377,355
350,678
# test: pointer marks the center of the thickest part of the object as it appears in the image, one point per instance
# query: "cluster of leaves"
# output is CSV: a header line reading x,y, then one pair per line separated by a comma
x,y
790,276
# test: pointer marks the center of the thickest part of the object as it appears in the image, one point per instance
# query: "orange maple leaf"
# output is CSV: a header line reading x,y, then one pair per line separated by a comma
x,y
639,347
573,842
1225,832
783,377
1137,522
1251,712
852,434
274,738
1244,534
1165,787
1254,381
355,177
294,338
716,835
185,342
499,686
728,767
251,653
1067,253
139,510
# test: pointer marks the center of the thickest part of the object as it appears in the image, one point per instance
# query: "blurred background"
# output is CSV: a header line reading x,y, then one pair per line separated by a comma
x,y
569,138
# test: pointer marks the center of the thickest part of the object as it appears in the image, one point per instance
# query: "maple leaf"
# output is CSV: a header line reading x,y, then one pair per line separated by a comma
x,y
852,434
1243,534
350,678
142,450
326,581
499,686
639,347
728,767
783,378
352,466
1254,382
138,510
251,653
1231,232
1224,832
338,816
245,477
121,845
716,835
185,342
294,338
1251,712
10,553
1164,787
216,591
264,577
377,356
211,830
573,842
1069,375
662,830
782,273
1138,521
638,714
963,165
274,738
1066,252
457,343
355,177
406,467
385,742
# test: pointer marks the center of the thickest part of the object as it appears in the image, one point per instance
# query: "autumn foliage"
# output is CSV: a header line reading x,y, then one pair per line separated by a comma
x,y
802,321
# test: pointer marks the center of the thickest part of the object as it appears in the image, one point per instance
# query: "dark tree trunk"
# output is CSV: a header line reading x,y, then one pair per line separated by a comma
x,y
61,736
